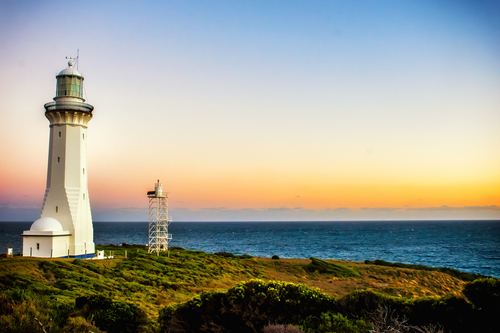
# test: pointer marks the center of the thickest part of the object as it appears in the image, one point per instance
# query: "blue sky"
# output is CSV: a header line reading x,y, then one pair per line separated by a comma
x,y
262,110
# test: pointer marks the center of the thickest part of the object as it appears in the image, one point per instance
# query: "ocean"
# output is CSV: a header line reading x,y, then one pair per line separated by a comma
x,y
469,246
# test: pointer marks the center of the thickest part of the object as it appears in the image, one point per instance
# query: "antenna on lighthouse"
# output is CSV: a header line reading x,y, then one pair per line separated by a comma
x,y
158,220
75,60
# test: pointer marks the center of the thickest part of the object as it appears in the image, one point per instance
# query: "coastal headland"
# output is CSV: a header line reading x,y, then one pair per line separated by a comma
x,y
191,291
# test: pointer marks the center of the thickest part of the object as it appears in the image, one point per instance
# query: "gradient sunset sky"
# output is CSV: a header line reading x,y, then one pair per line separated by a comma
x,y
261,110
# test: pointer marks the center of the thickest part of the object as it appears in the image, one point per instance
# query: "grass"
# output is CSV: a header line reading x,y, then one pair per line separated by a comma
x,y
151,282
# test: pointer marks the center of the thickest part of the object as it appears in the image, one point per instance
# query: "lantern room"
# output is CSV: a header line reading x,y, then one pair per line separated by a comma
x,y
69,83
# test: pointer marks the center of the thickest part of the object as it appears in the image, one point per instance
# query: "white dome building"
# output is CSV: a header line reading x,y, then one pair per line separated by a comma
x,y
46,238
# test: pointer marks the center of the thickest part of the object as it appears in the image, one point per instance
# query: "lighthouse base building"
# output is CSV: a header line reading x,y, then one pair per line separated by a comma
x,y
65,226
47,239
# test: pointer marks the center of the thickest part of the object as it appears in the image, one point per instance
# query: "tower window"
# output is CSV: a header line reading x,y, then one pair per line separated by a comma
x,y
57,209
83,196
38,246
58,159
59,134
83,170
83,136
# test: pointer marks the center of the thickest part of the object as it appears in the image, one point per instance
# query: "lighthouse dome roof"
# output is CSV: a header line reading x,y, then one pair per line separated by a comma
x,y
70,70
46,224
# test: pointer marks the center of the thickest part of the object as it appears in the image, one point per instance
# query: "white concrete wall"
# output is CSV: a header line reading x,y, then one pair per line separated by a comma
x,y
59,246
67,182
45,246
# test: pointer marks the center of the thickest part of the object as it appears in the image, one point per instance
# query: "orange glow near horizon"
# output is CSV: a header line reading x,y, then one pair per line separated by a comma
x,y
262,187
280,192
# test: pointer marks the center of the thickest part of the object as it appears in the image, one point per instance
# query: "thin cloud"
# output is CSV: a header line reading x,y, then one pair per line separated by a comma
x,y
492,212
279,209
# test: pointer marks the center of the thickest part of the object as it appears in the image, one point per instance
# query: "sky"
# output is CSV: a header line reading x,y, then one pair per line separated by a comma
x,y
261,110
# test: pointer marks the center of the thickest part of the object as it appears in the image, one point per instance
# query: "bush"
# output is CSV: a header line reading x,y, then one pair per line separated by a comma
x,y
281,329
276,257
80,324
112,316
6,305
484,294
359,304
326,267
386,321
247,307
60,311
334,322
464,276
20,295
245,256
224,254
451,312
27,316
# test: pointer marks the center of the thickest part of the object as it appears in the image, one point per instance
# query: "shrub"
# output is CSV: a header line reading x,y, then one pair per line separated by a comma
x,y
464,276
359,304
326,267
386,321
452,312
112,316
246,256
6,305
19,295
176,248
484,293
224,254
80,324
60,311
334,322
27,316
247,307
276,257
281,329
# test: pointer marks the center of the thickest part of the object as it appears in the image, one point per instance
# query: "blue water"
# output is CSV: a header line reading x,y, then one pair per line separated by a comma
x,y
470,246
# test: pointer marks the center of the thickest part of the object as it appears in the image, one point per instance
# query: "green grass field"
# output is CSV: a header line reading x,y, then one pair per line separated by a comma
x,y
79,295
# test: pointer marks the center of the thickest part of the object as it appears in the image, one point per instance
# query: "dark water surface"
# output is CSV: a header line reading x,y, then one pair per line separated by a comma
x,y
470,246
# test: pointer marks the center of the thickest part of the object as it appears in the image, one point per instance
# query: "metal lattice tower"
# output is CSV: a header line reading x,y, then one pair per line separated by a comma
x,y
158,220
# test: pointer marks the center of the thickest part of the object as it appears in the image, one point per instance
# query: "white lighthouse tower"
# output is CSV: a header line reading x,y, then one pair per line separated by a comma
x,y
65,225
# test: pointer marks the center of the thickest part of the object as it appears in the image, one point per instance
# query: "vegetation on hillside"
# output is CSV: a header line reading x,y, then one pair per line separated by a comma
x,y
140,292
250,306
450,271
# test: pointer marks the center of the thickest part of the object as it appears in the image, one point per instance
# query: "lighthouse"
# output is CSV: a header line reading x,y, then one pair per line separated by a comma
x,y
64,228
